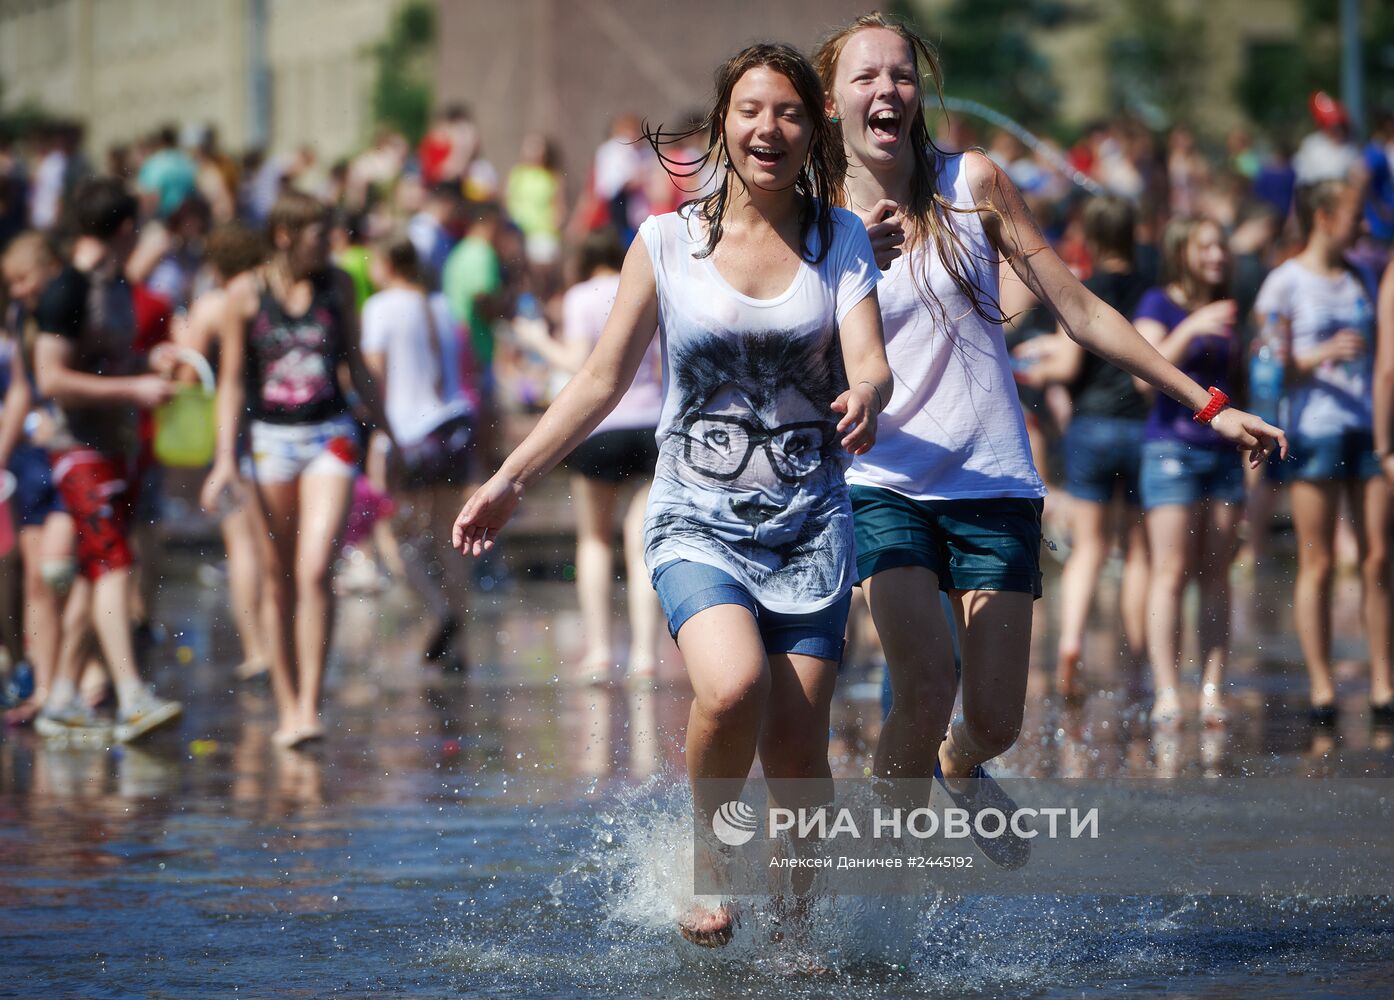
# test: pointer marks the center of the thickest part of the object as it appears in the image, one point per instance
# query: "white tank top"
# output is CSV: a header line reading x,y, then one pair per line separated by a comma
x,y
954,429
750,469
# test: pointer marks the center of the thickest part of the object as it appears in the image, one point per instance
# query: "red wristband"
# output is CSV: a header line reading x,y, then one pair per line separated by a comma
x,y
1218,400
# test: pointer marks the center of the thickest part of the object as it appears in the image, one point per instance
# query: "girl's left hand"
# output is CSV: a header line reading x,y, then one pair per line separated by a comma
x,y
1252,434
859,408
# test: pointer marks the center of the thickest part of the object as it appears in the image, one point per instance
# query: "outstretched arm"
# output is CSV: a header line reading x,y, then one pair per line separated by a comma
x,y
1384,374
1089,321
591,394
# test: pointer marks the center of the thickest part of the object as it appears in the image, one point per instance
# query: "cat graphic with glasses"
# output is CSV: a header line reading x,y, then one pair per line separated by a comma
x,y
752,468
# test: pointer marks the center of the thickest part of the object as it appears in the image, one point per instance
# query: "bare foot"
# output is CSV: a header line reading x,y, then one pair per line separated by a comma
x,y
249,668
94,688
1213,712
593,670
708,928
1166,711
23,713
641,673
1067,680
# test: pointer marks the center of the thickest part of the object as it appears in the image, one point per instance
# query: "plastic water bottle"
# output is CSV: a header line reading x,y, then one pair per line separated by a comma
x,y
1362,322
1266,371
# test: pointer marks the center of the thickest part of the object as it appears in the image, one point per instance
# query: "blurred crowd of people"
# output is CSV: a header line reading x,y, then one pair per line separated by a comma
x,y
471,296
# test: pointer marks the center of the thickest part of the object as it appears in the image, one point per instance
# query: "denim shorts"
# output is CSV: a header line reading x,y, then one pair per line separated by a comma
x,y
1350,455
987,544
1103,455
1177,473
685,588
36,496
281,453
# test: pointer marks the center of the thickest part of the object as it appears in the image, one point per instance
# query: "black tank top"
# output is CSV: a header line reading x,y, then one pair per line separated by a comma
x,y
292,364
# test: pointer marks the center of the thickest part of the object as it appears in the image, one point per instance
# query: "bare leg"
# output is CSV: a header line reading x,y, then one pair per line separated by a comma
x,y
1171,531
1370,504
111,595
1136,570
730,678
996,644
324,505
244,584
75,644
1221,522
42,617
1088,550
644,613
595,571
909,618
794,739
420,570
278,514
1314,508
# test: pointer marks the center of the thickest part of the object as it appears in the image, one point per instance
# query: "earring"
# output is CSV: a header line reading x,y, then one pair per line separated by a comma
x,y
834,118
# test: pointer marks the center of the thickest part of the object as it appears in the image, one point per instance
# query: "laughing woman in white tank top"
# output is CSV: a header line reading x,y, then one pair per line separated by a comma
x,y
774,369
950,500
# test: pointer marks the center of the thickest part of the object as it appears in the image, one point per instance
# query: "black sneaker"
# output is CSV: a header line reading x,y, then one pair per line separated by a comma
x,y
1382,715
439,646
1323,715
1006,851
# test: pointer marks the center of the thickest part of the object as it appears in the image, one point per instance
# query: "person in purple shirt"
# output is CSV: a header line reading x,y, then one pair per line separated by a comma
x,y
1192,489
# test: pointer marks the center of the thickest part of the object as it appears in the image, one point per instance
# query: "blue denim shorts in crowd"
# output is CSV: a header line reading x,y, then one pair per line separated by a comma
x,y
1177,473
685,588
1103,458
36,498
1334,457
993,543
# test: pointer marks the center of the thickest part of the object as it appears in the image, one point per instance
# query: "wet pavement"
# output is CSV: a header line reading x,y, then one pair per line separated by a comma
x,y
503,833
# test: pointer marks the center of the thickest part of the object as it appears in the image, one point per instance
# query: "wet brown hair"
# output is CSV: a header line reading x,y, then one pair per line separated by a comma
x,y
399,252
234,248
294,211
819,182
601,248
1176,242
32,246
1323,196
929,215
1110,225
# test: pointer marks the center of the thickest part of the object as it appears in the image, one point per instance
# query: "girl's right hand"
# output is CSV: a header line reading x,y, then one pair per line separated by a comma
x,y
1213,320
221,477
885,227
1345,345
484,515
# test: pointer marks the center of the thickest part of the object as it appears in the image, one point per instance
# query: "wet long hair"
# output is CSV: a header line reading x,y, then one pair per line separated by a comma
x,y
929,215
819,183
1176,244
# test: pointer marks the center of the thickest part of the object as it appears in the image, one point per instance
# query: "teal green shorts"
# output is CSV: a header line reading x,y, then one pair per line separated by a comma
x,y
992,544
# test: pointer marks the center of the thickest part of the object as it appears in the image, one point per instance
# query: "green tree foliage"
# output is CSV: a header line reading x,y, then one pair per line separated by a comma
x,y
1279,76
404,90
1156,54
988,53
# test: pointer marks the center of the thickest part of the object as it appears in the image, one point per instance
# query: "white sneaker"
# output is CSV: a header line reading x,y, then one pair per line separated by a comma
x,y
72,723
147,712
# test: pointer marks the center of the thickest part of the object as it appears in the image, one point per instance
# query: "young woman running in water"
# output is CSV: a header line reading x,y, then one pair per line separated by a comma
x,y
764,296
289,328
950,499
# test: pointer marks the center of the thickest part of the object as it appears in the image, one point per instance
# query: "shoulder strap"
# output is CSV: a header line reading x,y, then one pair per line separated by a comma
x,y
437,350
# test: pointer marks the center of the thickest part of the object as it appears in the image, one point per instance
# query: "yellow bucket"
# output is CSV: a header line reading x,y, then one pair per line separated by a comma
x,y
186,427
